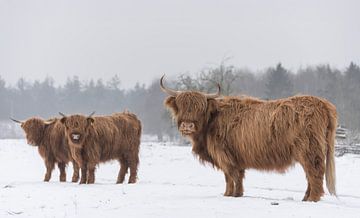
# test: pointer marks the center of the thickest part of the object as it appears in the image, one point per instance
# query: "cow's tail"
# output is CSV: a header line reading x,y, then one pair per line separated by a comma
x,y
330,154
139,129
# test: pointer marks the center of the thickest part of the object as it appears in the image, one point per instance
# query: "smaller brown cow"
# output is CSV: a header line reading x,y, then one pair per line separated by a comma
x,y
98,139
48,136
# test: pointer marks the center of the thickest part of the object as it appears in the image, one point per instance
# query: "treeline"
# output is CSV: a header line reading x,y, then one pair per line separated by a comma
x,y
43,98
341,87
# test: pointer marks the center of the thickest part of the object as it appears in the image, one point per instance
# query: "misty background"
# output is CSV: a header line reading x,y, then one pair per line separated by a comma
x,y
43,98
86,55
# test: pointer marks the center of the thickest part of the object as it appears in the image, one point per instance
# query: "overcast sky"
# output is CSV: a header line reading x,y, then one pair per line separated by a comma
x,y
140,40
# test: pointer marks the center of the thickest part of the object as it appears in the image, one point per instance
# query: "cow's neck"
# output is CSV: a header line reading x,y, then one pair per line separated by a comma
x,y
76,154
46,135
199,146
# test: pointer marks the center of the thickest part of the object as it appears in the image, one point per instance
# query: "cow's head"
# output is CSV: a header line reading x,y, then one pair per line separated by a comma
x,y
77,128
191,109
34,129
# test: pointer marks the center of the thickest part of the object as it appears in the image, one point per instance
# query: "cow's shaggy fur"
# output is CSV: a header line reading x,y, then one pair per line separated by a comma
x,y
238,133
98,139
48,136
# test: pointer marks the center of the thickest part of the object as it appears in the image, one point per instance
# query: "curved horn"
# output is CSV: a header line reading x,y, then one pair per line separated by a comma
x,y
214,95
16,121
50,121
167,90
91,114
62,114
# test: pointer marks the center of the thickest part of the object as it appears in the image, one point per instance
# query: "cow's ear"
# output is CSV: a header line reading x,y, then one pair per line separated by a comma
x,y
212,107
171,104
90,120
62,120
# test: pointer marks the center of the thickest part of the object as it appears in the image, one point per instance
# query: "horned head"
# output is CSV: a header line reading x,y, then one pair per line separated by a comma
x,y
34,129
77,128
192,110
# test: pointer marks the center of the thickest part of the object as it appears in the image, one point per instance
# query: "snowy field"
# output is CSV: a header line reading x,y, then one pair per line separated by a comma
x,y
172,183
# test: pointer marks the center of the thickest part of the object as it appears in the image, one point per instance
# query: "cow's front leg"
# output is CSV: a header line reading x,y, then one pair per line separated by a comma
x,y
234,185
239,189
50,164
229,185
75,176
83,173
91,175
62,166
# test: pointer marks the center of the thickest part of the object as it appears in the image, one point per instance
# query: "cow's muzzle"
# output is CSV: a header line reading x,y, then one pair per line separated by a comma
x,y
75,137
187,128
31,142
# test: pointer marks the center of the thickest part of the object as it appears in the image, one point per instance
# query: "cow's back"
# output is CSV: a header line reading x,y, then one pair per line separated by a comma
x,y
102,137
113,135
266,134
129,128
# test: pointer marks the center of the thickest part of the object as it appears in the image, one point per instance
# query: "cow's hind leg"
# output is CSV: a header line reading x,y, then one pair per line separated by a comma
x,y
61,166
133,164
314,167
229,185
307,193
315,177
123,170
49,168
75,176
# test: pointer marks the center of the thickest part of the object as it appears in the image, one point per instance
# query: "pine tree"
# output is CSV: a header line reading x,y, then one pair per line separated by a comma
x,y
351,98
279,84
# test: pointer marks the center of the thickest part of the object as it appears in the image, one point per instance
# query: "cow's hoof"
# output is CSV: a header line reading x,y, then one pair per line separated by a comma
x,y
132,180
236,195
227,194
313,198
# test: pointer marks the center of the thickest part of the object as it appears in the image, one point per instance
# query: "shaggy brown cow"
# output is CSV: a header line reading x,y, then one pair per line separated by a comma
x,y
48,136
237,133
98,139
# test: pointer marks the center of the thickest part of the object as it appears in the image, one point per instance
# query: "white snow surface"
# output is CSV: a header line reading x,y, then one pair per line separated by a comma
x,y
172,183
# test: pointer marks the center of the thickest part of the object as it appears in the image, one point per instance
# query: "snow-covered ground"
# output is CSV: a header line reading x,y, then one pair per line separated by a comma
x,y
172,183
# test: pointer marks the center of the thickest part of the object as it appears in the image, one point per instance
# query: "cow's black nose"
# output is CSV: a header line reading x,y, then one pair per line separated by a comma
x,y
75,136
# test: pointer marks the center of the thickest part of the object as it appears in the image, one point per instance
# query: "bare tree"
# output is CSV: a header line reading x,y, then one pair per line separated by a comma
x,y
223,75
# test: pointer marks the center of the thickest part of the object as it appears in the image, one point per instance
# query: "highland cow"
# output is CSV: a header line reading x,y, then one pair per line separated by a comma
x,y
99,139
49,137
237,133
